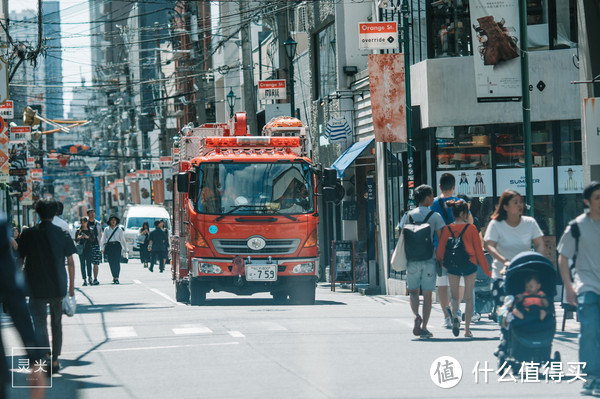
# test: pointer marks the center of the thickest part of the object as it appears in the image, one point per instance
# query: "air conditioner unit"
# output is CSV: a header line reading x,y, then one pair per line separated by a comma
x,y
300,18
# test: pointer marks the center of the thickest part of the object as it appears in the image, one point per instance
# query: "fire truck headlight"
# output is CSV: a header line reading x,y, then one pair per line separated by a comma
x,y
210,268
304,268
206,268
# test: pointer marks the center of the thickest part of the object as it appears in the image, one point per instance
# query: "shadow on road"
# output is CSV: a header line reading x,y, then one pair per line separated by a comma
x,y
258,302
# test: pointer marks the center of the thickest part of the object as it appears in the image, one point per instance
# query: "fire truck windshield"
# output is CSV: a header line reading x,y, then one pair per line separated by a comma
x,y
255,188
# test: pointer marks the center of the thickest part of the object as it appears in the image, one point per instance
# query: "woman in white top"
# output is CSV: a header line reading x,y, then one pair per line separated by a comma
x,y
510,233
113,242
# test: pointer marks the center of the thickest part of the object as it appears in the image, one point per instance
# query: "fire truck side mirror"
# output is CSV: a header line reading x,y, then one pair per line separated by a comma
x,y
329,177
182,182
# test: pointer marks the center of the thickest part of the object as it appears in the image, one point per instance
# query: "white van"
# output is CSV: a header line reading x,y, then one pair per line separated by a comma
x,y
134,218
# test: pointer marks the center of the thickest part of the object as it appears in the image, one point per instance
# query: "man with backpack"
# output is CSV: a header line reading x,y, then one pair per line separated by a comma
x,y
447,185
580,244
419,227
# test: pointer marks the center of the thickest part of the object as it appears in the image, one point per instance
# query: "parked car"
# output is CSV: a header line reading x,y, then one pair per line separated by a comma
x,y
134,218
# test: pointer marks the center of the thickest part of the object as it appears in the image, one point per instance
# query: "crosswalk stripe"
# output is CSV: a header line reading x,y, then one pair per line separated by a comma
x,y
121,332
236,334
192,329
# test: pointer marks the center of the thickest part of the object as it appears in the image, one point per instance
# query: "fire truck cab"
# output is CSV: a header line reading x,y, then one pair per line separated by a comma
x,y
245,212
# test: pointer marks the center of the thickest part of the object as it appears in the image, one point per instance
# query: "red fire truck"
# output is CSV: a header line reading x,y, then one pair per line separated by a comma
x,y
245,212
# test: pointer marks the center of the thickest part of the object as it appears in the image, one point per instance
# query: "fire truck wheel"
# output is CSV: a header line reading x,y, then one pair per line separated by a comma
x,y
303,294
182,292
197,292
280,297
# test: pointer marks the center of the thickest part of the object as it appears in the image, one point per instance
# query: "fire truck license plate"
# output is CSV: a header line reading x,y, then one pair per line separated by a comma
x,y
261,272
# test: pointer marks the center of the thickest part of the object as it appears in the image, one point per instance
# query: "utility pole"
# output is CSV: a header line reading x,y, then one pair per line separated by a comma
x,y
405,14
248,69
163,141
199,43
526,108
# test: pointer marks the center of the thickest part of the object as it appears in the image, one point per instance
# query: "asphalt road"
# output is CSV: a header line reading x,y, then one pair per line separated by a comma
x,y
134,341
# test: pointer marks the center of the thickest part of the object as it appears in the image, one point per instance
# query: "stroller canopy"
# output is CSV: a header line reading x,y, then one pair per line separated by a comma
x,y
523,266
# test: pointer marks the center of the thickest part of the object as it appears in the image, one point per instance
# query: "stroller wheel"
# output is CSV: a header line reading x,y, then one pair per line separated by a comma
x,y
556,357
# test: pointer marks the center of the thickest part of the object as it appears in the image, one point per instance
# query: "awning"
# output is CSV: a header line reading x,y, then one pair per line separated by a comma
x,y
350,156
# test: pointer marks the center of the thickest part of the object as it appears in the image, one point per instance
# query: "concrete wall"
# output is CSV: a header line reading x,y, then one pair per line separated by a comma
x,y
445,90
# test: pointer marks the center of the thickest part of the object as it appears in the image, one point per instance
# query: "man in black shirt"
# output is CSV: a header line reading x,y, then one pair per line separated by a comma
x,y
44,249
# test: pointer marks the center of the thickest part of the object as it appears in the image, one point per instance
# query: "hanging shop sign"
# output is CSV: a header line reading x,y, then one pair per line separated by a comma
x,y
166,162
377,35
388,99
514,179
272,90
7,110
144,187
120,186
168,184
495,35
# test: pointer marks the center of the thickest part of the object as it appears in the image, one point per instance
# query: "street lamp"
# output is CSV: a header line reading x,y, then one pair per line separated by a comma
x,y
290,49
231,102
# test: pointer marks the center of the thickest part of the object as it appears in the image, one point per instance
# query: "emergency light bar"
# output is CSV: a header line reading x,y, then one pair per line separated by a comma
x,y
252,141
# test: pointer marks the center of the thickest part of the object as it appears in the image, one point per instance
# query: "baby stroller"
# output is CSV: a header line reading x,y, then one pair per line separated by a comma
x,y
528,339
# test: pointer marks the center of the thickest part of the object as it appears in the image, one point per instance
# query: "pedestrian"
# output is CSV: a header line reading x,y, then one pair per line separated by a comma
x,y
12,296
447,186
584,290
96,227
143,240
420,275
58,221
84,237
472,245
113,243
510,232
158,245
44,249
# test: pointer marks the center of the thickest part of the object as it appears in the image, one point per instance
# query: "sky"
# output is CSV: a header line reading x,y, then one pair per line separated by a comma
x,y
75,40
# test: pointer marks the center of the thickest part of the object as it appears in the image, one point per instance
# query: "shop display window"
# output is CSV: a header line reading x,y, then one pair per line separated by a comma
x,y
450,28
462,147
510,152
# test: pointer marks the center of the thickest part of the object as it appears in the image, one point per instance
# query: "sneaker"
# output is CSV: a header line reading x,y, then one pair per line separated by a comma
x,y
456,326
417,328
588,387
447,323
476,317
90,281
96,282
84,283
426,334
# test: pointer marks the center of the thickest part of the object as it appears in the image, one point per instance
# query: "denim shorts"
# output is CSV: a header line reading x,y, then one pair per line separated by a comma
x,y
421,274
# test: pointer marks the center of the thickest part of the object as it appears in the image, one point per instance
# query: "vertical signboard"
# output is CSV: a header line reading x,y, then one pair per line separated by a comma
x,y
495,35
157,186
144,187
591,138
7,110
388,99
120,192
168,184
4,164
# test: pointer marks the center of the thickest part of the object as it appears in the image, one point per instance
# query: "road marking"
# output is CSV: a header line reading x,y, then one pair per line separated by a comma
x,y
236,334
192,329
168,298
146,348
121,332
274,326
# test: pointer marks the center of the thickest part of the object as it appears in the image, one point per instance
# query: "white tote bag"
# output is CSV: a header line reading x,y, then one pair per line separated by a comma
x,y
398,260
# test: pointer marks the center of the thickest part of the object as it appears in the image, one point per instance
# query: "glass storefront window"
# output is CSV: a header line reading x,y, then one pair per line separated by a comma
x,y
450,31
462,147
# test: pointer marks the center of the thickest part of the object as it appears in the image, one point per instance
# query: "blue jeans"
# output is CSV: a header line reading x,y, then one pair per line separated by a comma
x,y
588,312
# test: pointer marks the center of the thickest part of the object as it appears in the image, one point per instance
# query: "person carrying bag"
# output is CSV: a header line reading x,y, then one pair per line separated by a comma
x,y
113,245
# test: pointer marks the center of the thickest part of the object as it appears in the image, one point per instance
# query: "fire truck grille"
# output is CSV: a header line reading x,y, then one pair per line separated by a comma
x,y
240,247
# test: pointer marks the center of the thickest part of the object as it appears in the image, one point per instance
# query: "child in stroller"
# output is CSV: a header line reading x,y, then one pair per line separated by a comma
x,y
527,339
531,302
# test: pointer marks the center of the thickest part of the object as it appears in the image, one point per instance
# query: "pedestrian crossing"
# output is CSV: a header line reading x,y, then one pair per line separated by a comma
x,y
242,330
